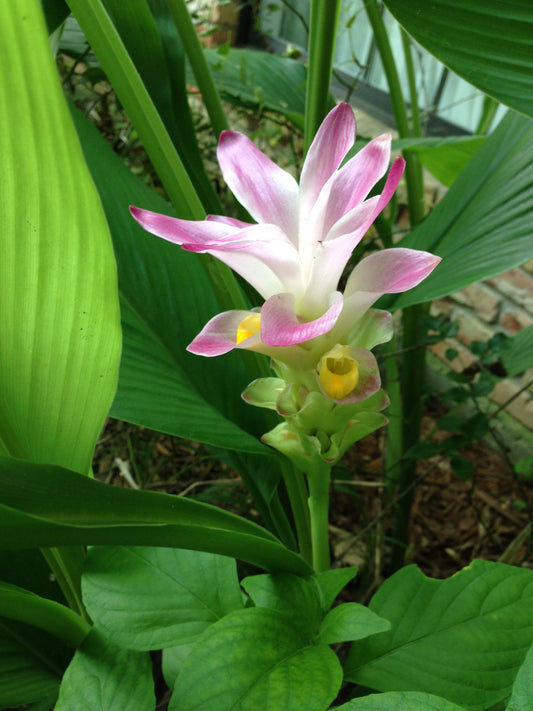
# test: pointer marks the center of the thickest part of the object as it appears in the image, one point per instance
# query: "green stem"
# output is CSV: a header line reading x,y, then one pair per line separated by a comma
x,y
126,81
52,617
412,392
404,428
298,496
200,67
66,565
319,481
413,169
490,106
322,34
416,124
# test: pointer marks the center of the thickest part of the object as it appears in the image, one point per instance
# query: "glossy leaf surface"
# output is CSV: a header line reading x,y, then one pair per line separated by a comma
x,y
58,290
400,701
273,666
487,42
165,300
463,638
103,677
151,598
50,506
522,696
482,227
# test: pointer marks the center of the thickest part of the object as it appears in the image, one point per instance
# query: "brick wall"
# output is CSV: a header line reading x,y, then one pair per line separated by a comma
x,y
502,304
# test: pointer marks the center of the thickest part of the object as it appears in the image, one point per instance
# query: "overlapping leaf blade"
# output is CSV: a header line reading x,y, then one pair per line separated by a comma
x,y
103,677
165,300
153,598
400,701
463,638
51,506
487,42
58,290
273,666
482,227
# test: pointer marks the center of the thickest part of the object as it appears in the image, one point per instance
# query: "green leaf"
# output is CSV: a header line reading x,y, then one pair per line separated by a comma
x,y
172,662
331,582
149,598
59,313
400,701
463,638
350,621
27,672
522,696
259,81
50,506
487,42
58,620
445,158
154,46
166,299
126,81
103,677
482,227
55,13
295,597
517,352
254,659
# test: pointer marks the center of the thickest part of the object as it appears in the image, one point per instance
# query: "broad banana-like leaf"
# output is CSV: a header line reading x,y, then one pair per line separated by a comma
x,y
59,315
487,42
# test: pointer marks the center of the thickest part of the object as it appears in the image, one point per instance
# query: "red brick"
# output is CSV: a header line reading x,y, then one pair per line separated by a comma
x,y
517,284
484,300
514,321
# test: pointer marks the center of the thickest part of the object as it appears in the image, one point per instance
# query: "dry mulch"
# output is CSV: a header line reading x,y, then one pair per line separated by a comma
x,y
452,521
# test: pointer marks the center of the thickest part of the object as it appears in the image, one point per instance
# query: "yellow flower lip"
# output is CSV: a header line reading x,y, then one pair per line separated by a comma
x,y
338,372
249,326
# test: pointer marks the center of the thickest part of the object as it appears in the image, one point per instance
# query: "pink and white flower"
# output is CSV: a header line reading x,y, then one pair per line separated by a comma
x,y
296,253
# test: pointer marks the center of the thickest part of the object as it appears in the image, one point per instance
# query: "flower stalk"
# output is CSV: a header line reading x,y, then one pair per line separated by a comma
x,y
326,387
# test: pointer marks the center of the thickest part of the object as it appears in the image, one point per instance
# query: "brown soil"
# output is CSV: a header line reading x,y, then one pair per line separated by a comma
x,y
452,521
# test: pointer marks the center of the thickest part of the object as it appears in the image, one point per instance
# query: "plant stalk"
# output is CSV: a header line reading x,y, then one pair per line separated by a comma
x,y
319,481
298,496
66,566
404,428
322,35
202,72
490,106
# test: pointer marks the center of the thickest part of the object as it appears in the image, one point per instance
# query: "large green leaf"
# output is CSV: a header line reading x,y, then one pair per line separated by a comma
x,y
297,599
400,701
58,620
482,227
155,47
27,673
165,300
349,621
463,638
259,81
51,506
487,42
59,314
255,659
446,157
522,696
152,598
107,44
103,677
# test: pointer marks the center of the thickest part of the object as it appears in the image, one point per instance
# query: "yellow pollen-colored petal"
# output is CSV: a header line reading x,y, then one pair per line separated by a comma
x,y
338,373
248,327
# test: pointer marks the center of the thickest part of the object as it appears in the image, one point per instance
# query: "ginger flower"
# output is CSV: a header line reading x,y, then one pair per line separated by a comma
x,y
296,252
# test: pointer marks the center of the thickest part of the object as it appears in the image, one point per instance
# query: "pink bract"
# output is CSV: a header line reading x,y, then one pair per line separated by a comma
x,y
296,253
